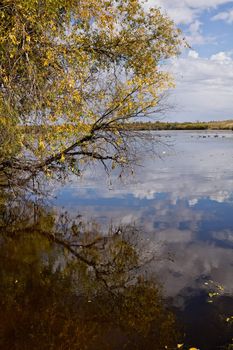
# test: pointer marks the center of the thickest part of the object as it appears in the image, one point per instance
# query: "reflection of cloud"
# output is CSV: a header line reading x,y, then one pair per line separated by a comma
x,y
221,196
165,199
225,236
175,236
192,202
199,168
193,261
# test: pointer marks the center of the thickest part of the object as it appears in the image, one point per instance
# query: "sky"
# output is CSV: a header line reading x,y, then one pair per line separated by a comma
x,y
204,72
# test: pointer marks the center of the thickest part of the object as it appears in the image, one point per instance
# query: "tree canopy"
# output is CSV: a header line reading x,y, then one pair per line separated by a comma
x,y
72,72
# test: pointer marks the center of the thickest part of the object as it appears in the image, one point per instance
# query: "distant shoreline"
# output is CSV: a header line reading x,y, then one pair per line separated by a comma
x,y
212,125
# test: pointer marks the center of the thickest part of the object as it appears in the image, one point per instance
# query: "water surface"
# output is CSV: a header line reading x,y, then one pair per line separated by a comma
x,y
168,254
183,203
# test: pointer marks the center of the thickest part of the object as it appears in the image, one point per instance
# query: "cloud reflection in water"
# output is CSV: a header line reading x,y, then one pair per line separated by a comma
x,y
183,201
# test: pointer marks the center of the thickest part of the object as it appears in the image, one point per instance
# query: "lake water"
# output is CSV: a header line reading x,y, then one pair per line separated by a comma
x,y
181,204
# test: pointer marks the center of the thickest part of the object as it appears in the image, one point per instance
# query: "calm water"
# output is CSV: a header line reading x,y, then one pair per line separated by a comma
x,y
183,202
181,205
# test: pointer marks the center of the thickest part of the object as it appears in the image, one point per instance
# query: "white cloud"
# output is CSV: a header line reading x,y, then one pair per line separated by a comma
x,y
221,57
193,54
195,27
226,16
186,11
195,36
204,87
200,81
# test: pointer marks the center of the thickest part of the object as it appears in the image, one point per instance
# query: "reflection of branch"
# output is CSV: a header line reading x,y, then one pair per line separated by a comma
x,y
113,257
101,269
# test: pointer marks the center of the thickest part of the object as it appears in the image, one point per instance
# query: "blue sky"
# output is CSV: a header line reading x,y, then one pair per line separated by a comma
x,y
204,73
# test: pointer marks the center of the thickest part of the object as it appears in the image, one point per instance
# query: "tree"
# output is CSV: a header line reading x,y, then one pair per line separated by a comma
x,y
72,73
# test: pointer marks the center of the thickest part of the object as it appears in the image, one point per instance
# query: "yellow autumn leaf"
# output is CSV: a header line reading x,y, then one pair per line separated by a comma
x,y
41,145
62,159
70,77
13,38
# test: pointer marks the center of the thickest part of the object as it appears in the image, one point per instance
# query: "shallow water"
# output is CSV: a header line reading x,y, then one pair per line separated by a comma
x,y
180,203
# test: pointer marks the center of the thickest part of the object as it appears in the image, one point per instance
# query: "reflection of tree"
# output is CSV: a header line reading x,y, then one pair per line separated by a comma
x,y
66,285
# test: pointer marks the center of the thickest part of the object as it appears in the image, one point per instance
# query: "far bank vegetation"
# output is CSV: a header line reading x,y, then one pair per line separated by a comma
x,y
211,125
